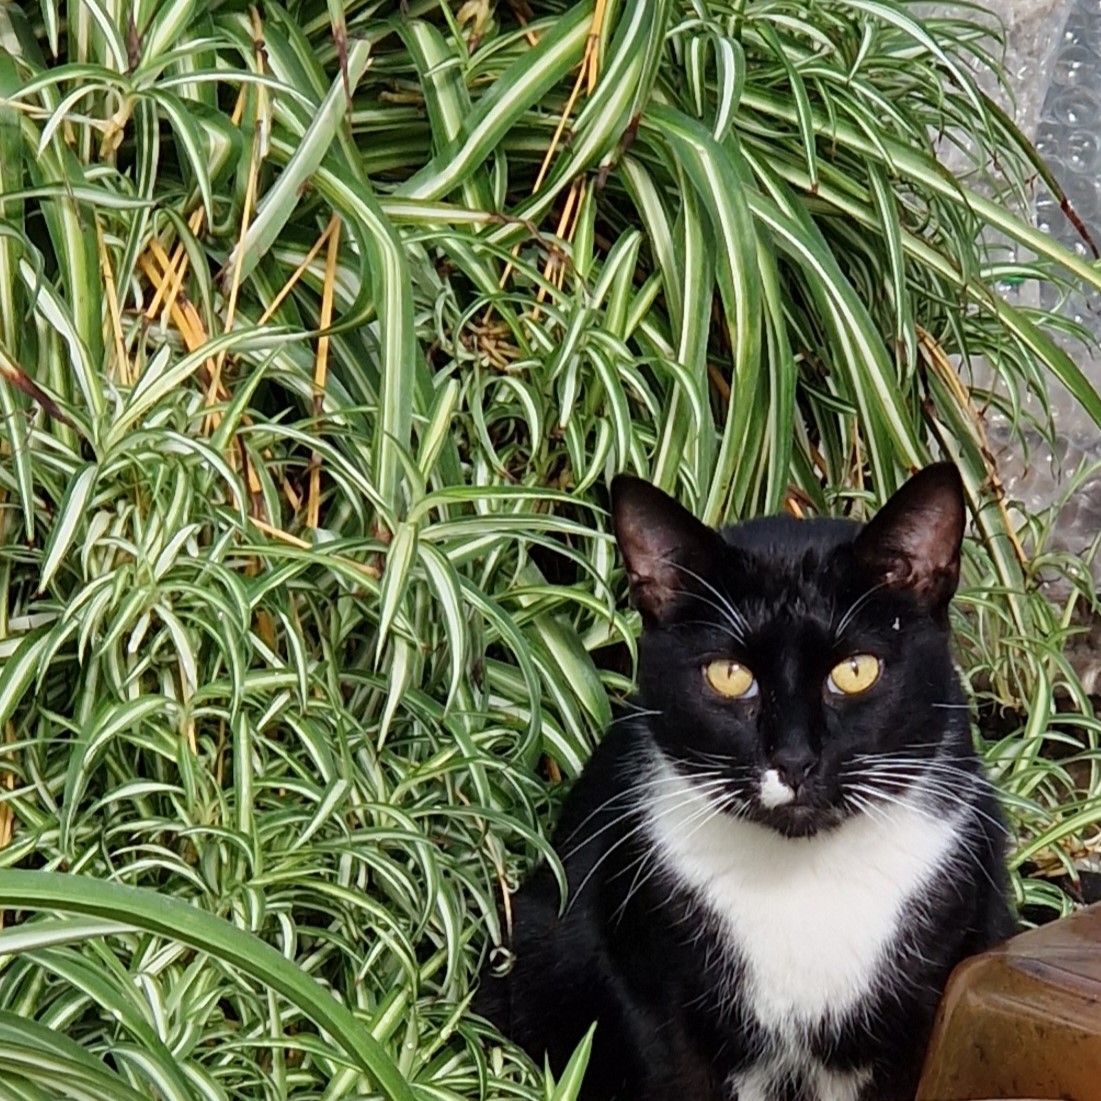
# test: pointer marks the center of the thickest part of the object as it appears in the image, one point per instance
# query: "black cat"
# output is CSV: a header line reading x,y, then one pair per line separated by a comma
x,y
775,862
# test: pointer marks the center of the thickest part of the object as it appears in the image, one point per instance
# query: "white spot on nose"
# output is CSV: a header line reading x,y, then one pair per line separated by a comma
x,y
774,792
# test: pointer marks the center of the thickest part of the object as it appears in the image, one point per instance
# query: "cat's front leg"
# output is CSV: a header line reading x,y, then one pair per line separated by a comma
x,y
775,1082
754,1084
845,1085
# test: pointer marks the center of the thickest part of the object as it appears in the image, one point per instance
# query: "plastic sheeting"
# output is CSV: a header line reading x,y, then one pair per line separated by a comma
x,y
1053,67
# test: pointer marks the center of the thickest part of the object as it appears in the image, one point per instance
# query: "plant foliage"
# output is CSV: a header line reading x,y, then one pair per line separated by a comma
x,y
322,327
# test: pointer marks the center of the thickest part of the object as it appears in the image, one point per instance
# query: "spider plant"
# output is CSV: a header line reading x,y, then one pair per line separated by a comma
x,y
322,328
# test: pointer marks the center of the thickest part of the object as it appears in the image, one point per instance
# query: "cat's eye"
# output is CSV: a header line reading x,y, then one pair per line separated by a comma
x,y
854,675
731,679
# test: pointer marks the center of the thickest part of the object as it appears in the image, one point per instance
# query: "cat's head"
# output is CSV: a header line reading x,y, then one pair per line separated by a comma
x,y
799,671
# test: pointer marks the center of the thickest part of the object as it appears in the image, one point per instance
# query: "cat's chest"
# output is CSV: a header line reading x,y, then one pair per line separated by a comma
x,y
809,922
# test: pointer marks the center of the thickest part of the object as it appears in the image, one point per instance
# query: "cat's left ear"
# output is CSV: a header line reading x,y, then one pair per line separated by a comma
x,y
913,542
668,551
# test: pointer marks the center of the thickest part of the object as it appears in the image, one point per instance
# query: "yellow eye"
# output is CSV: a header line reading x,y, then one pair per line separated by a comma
x,y
730,679
854,675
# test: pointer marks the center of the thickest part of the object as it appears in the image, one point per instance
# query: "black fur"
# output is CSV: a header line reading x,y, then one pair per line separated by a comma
x,y
640,954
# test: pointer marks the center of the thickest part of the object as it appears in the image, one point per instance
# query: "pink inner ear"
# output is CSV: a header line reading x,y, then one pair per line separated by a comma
x,y
652,595
658,568
929,539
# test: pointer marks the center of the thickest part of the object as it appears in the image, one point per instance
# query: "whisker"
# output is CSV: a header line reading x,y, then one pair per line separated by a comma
x,y
687,800
926,767
626,793
638,709
637,787
955,783
864,805
726,630
737,620
650,854
949,794
640,713
855,607
710,810
966,853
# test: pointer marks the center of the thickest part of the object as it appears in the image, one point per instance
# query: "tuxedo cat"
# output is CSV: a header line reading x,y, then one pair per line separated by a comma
x,y
777,858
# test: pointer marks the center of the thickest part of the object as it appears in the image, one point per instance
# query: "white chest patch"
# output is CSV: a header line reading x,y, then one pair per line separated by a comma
x,y
810,917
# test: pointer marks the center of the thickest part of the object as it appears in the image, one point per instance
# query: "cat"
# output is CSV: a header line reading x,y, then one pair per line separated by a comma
x,y
778,855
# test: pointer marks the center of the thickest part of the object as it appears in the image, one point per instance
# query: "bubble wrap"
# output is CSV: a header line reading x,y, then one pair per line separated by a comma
x,y
1053,65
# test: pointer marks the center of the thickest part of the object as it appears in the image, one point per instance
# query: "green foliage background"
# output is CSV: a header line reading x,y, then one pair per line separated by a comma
x,y
322,327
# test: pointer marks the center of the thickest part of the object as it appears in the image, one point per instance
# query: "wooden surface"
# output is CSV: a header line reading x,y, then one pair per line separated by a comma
x,y
1023,1021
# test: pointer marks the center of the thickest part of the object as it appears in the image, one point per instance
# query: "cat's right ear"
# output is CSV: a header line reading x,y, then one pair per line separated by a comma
x,y
666,549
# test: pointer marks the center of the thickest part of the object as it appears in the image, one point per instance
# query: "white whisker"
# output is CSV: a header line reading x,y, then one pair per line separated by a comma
x,y
855,607
629,794
737,620
686,800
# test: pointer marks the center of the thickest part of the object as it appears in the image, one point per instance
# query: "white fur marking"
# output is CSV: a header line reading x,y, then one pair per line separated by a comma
x,y
811,916
754,1084
765,1080
774,792
837,1085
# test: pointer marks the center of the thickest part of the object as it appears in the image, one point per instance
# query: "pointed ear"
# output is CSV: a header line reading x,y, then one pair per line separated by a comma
x,y
913,542
665,547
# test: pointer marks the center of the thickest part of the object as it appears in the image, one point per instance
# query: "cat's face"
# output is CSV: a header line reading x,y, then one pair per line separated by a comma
x,y
799,671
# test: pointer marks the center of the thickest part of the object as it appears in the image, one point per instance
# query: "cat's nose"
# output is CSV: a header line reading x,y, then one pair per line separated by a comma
x,y
794,765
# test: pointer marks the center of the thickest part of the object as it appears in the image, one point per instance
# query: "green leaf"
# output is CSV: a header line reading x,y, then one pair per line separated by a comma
x,y
177,921
568,1087
70,514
